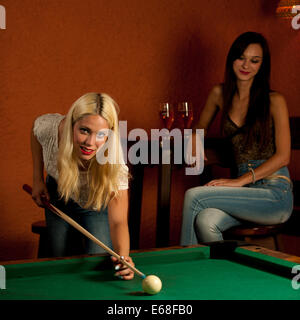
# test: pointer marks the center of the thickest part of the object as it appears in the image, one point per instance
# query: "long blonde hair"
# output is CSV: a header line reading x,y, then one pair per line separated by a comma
x,y
103,179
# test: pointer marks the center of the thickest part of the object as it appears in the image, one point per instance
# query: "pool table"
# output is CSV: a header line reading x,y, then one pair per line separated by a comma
x,y
187,273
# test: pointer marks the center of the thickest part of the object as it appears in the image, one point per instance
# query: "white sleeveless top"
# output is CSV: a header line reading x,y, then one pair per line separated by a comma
x,y
45,130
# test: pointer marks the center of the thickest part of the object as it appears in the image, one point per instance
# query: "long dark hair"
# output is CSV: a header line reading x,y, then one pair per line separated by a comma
x,y
257,122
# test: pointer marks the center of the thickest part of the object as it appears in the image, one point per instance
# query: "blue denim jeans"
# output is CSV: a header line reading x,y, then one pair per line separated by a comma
x,y
64,239
208,211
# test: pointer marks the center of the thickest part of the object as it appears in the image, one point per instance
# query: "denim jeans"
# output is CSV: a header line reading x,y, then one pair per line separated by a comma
x,y
63,238
208,211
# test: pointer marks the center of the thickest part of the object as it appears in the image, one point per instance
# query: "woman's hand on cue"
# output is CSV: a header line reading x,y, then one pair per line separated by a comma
x,y
123,272
40,192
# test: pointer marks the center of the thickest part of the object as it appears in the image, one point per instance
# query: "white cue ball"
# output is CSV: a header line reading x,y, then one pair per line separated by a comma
x,y
152,284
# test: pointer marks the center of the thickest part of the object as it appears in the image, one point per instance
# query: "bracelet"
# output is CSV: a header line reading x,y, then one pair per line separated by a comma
x,y
253,175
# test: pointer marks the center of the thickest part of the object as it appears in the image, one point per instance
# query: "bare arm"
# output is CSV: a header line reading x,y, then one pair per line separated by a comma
x,y
281,157
211,108
118,221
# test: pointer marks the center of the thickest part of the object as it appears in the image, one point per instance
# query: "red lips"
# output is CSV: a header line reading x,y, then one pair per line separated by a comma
x,y
86,151
244,72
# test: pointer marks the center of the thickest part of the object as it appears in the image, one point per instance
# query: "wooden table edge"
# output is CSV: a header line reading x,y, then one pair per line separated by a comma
x,y
254,248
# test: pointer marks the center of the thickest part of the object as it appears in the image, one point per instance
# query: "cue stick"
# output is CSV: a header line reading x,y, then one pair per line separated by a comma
x,y
77,226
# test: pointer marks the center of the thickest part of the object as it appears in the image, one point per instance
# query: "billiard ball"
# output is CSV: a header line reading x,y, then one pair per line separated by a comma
x,y
152,284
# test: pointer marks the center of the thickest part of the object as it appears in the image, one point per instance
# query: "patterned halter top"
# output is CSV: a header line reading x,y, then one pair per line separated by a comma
x,y
242,152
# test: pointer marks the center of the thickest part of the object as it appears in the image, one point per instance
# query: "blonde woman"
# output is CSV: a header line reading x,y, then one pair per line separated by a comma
x,y
93,194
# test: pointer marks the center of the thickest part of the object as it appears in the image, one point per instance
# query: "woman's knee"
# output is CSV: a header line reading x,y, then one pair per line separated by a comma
x,y
207,218
193,198
207,225
211,222
189,195
216,217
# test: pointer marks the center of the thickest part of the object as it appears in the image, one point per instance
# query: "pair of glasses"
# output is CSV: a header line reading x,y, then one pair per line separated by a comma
x,y
178,115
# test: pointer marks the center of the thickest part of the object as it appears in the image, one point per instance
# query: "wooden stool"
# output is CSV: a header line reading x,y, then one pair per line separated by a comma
x,y
249,232
39,227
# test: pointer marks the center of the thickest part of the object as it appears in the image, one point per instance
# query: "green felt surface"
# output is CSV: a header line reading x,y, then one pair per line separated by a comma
x,y
186,274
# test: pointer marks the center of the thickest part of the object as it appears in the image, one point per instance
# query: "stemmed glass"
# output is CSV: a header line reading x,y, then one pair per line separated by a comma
x,y
185,115
185,119
166,111
167,115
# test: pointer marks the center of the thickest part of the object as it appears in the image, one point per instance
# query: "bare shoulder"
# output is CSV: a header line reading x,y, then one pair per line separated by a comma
x,y
217,91
277,103
216,94
276,97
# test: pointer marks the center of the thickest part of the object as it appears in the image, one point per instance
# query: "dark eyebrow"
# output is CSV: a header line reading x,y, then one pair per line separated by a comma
x,y
86,128
253,56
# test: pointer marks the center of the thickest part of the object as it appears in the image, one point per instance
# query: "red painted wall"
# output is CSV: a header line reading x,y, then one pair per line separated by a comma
x,y
140,52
